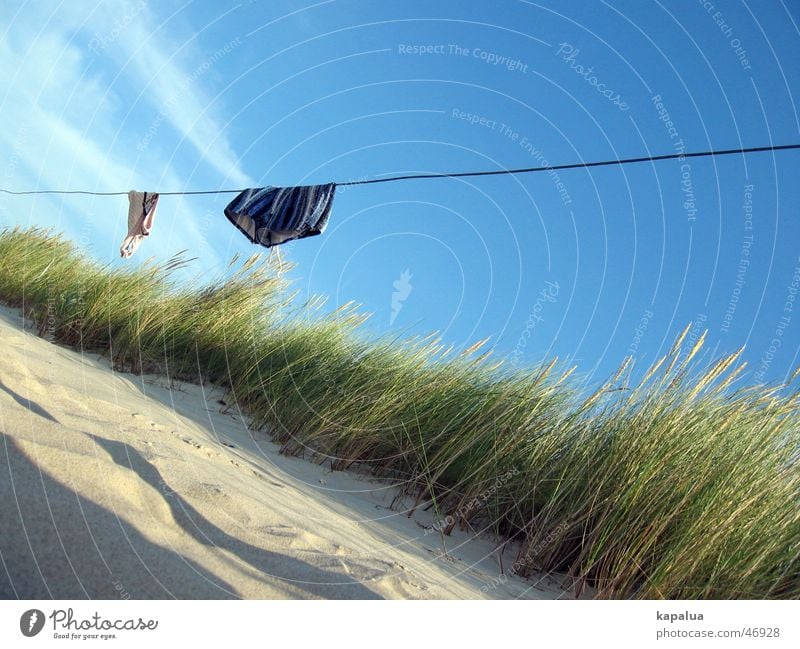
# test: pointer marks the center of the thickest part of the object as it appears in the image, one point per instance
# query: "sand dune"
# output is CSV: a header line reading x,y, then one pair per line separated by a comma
x,y
118,486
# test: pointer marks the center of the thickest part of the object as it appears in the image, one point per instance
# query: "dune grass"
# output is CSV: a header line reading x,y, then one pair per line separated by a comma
x,y
680,486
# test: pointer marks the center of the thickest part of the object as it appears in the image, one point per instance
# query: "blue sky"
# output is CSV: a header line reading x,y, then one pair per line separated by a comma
x,y
589,265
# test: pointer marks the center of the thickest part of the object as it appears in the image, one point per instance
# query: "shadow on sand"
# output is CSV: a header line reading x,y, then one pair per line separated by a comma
x,y
57,544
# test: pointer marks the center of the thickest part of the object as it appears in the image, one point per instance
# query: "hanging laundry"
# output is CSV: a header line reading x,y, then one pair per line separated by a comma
x,y
141,213
273,215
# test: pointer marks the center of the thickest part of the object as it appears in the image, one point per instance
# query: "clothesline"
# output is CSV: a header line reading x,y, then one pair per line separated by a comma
x,y
270,216
462,174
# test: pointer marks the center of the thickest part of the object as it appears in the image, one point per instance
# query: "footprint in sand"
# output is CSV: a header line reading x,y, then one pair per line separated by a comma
x,y
210,452
367,568
299,540
188,440
153,425
191,442
261,476
286,531
206,490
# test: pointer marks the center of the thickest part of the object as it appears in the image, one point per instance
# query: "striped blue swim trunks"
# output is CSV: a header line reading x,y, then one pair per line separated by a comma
x,y
273,215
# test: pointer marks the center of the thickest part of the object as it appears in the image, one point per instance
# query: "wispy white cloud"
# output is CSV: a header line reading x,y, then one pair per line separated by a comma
x,y
171,74
73,117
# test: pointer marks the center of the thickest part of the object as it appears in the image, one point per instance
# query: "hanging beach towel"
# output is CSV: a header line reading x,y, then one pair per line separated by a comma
x,y
273,215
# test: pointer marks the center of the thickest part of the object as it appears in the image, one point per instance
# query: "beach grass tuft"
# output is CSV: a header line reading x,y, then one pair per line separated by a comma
x,y
682,485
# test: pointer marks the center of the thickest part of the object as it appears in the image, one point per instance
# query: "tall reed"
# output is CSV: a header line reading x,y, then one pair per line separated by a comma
x,y
680,486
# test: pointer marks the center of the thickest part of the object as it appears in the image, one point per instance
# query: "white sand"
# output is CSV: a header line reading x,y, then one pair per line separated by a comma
x,y
116,486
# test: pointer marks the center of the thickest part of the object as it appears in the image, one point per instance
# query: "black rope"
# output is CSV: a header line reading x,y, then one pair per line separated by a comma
x,y
88,193
575,165
462,174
